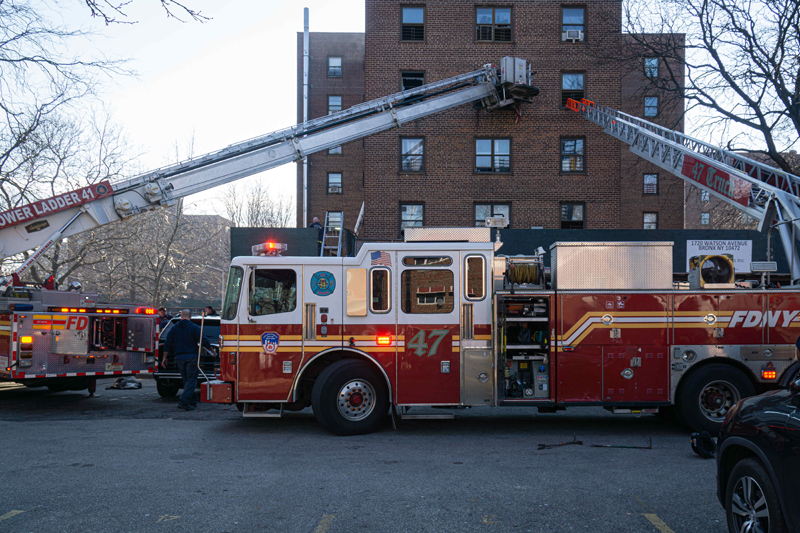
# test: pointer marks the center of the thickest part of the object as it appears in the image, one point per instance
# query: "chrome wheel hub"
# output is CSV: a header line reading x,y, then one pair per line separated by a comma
x,y
356,399
749,507
717,399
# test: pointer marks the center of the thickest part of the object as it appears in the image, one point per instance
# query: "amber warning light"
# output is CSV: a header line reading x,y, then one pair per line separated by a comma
x,y
768,371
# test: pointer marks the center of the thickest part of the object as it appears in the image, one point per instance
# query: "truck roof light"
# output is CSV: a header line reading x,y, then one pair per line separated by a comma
x,y
268,248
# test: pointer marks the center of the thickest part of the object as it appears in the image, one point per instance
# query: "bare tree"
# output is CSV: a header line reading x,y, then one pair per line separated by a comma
x,y
742,62
111,11
255,207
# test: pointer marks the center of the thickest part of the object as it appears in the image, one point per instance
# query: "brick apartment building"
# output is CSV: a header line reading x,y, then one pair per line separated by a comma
x,y
551,169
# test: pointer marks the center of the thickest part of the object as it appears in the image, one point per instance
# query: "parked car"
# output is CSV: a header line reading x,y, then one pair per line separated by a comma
x,y
168,378
758,462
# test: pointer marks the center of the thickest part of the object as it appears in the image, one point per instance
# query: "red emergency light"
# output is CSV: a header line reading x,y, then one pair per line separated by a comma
x,y
269,248
145,311
384,340
768,371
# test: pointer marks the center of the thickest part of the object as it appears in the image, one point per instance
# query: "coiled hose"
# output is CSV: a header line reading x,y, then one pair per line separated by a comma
x,y
525,273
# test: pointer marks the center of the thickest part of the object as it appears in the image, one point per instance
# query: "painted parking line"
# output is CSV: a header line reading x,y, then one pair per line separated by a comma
x,y
325,523
658,523
10,514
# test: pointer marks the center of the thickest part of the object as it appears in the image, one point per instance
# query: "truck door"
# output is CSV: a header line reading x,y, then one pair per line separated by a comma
x,y
323,318
428,371
475,337
270,333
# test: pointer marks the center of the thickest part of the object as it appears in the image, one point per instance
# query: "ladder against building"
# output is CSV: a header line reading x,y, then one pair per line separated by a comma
x,y
332,234
765,193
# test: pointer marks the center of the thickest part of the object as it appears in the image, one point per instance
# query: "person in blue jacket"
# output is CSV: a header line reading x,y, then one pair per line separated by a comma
x,y
182,341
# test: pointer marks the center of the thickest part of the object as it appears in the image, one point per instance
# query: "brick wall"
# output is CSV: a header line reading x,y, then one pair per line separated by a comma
x,y
350,86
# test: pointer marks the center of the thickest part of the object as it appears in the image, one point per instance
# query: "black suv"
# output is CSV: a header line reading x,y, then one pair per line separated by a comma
x,y
758,462
168,378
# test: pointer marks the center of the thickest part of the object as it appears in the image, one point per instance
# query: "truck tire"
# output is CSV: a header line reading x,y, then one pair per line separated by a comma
x,y
708,395
350,398
167,389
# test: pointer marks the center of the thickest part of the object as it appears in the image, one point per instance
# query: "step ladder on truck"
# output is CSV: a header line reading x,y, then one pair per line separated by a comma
x,y
41,224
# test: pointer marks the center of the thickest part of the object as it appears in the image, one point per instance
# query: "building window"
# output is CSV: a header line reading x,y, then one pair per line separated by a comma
x,y
705,219
571,87
334,104
484,211
411,80
650,106
572,155
650,221
413,23
334,67
651,67
573,25
336,150
411,155
334,183
650,184
705,197
493,24
492,155
411,215
572,216
335,220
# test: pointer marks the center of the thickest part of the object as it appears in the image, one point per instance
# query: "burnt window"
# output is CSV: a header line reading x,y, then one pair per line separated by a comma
x,y
492,155
411,154
650,221
571,87
427,291
334,67
651,67
572,154
411,80
650,106
334,104
413,27
650,184
493,24
573,24
572,216
484,211
334,183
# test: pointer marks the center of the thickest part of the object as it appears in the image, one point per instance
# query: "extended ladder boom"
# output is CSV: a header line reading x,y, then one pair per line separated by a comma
x,y
23,228
763,192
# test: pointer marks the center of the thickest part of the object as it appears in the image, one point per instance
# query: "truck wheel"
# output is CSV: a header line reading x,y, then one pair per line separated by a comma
x,y
350,398
709,394
167,389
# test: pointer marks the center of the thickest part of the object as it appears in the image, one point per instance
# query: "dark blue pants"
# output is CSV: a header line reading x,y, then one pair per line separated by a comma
x,y
189,371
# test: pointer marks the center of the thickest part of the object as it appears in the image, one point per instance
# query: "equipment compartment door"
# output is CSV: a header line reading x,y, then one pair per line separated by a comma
x,y
635,373
429,372
579,374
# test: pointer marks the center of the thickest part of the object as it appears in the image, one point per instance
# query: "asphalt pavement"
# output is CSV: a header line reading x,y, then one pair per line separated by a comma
x,y
128,460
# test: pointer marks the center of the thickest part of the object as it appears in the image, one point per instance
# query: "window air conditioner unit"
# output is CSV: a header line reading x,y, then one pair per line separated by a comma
x,y
572,35
333,190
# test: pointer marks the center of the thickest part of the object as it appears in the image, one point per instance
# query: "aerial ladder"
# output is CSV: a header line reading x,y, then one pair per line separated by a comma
x,y
765,193
43,223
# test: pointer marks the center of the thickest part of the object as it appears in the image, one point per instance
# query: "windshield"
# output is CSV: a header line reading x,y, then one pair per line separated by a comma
x,y
232,293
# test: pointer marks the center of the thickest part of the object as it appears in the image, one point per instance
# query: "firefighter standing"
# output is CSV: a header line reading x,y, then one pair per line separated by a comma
x,y
182,342
315,224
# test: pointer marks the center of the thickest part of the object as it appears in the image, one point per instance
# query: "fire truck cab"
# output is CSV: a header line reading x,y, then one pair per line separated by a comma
x,y
442,321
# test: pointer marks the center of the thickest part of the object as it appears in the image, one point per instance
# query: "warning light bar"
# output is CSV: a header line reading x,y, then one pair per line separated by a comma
x,y
145,311
82,310
384,340
268,248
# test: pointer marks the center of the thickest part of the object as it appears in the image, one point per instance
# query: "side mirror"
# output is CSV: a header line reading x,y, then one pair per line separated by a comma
x,y
794,386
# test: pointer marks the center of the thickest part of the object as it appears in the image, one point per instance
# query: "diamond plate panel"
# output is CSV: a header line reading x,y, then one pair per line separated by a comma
x,y
448,234
611,265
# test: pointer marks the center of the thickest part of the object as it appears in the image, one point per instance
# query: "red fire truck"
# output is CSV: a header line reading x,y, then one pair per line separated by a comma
x,y
67,340
444,320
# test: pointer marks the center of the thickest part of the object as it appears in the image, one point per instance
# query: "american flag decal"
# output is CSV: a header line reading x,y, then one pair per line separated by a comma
x,y
380,258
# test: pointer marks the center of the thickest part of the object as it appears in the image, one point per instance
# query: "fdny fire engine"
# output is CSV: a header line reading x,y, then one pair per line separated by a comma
x,y
445,320
68,340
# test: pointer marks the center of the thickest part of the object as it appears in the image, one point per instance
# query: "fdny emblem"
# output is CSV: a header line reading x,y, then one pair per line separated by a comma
x,y
323,283
270,340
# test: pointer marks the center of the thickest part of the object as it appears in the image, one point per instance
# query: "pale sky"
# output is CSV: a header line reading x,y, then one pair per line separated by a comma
x,y
226,80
